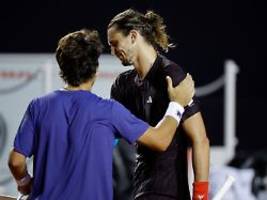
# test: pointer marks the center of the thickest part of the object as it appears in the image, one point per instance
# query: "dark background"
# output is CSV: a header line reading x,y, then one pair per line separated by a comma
x,y
206,33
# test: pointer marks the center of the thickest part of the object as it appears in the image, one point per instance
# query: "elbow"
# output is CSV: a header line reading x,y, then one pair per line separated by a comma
x,y
163,146
203,141
157,146
161,149
206,142
14,161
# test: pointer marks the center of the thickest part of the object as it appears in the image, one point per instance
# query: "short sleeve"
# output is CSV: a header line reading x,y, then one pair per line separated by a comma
x,y
192,109
126,124
178,74
116,91
25,135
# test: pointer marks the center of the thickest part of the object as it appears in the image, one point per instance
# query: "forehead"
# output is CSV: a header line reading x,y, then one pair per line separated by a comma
x,y
114,35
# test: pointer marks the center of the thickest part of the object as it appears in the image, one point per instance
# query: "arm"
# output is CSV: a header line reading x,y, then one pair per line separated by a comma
x,y
195,130
160,137
18,168
23,147
17,165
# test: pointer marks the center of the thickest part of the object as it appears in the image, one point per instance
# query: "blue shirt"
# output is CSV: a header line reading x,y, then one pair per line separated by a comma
x,y
70,135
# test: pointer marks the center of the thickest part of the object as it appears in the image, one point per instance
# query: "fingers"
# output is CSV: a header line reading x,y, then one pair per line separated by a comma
x,y
192,91
189,84
169,82
189,81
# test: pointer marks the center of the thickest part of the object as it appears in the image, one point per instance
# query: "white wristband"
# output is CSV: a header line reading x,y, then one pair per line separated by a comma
x,y
175,110
24,181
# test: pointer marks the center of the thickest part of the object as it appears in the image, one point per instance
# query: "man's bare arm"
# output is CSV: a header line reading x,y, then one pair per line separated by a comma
x,y
195,130
18,167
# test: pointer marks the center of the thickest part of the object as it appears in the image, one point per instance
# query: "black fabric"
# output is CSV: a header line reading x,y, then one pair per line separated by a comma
x,y
162,173
154,197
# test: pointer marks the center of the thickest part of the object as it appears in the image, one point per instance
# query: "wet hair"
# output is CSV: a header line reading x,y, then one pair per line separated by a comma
x,y
77,55
150,25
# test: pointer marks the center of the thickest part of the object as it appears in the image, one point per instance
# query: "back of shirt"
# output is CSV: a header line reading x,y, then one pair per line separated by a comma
x,y
70,134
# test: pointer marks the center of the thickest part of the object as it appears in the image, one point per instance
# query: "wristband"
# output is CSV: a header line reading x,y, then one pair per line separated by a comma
x,y
200,190
175,110
24,181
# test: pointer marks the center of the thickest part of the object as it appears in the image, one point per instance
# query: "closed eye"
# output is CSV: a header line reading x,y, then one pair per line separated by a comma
x,y
113,43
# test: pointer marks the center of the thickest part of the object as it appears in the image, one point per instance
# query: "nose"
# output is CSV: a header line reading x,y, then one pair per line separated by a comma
x,y
112,51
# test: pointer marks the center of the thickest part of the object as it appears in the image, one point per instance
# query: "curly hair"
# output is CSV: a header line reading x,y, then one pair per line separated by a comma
x,y
150,25
77,55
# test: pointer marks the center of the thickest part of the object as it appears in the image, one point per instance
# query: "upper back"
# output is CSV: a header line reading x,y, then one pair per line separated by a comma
x,y
73,142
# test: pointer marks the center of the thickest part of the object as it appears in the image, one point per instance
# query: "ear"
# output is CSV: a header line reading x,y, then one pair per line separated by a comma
x,y
133,35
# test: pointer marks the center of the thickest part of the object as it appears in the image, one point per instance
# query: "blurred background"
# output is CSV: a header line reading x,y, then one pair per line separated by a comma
x,y
221,43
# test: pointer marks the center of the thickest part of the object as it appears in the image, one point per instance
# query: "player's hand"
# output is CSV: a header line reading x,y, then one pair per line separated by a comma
x,y
182,93
26,189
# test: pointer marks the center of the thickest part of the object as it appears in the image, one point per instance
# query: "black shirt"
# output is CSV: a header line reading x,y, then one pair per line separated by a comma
x,y
163,173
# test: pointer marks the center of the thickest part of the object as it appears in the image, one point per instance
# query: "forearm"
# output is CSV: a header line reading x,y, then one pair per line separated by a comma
x,y
159,137
195,129
200,158
165,131
18,168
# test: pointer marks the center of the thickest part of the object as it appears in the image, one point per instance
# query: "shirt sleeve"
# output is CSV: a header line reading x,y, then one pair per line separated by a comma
x,y
116,91
25,135
178,74
126,124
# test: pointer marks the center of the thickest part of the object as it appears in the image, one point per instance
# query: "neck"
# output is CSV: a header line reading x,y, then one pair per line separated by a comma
x,y
87,86
145,59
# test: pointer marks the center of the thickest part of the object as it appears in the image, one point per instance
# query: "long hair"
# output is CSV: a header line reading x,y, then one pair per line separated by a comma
x,y
150,25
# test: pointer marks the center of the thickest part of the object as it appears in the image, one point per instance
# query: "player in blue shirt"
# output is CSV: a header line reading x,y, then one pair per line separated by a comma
x,y
70,132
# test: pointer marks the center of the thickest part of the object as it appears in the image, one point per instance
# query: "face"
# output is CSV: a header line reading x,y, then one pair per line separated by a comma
x,y
121,46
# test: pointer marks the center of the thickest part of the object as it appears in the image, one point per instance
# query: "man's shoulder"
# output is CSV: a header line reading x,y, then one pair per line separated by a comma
x,y
126,75
40,100
172,69
122,84
124,79
166,63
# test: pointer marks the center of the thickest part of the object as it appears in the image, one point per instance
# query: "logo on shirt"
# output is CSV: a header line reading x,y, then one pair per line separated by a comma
x,y
200,197
149,100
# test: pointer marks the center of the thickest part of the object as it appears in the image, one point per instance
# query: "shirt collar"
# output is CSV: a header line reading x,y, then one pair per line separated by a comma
x,y
151,73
